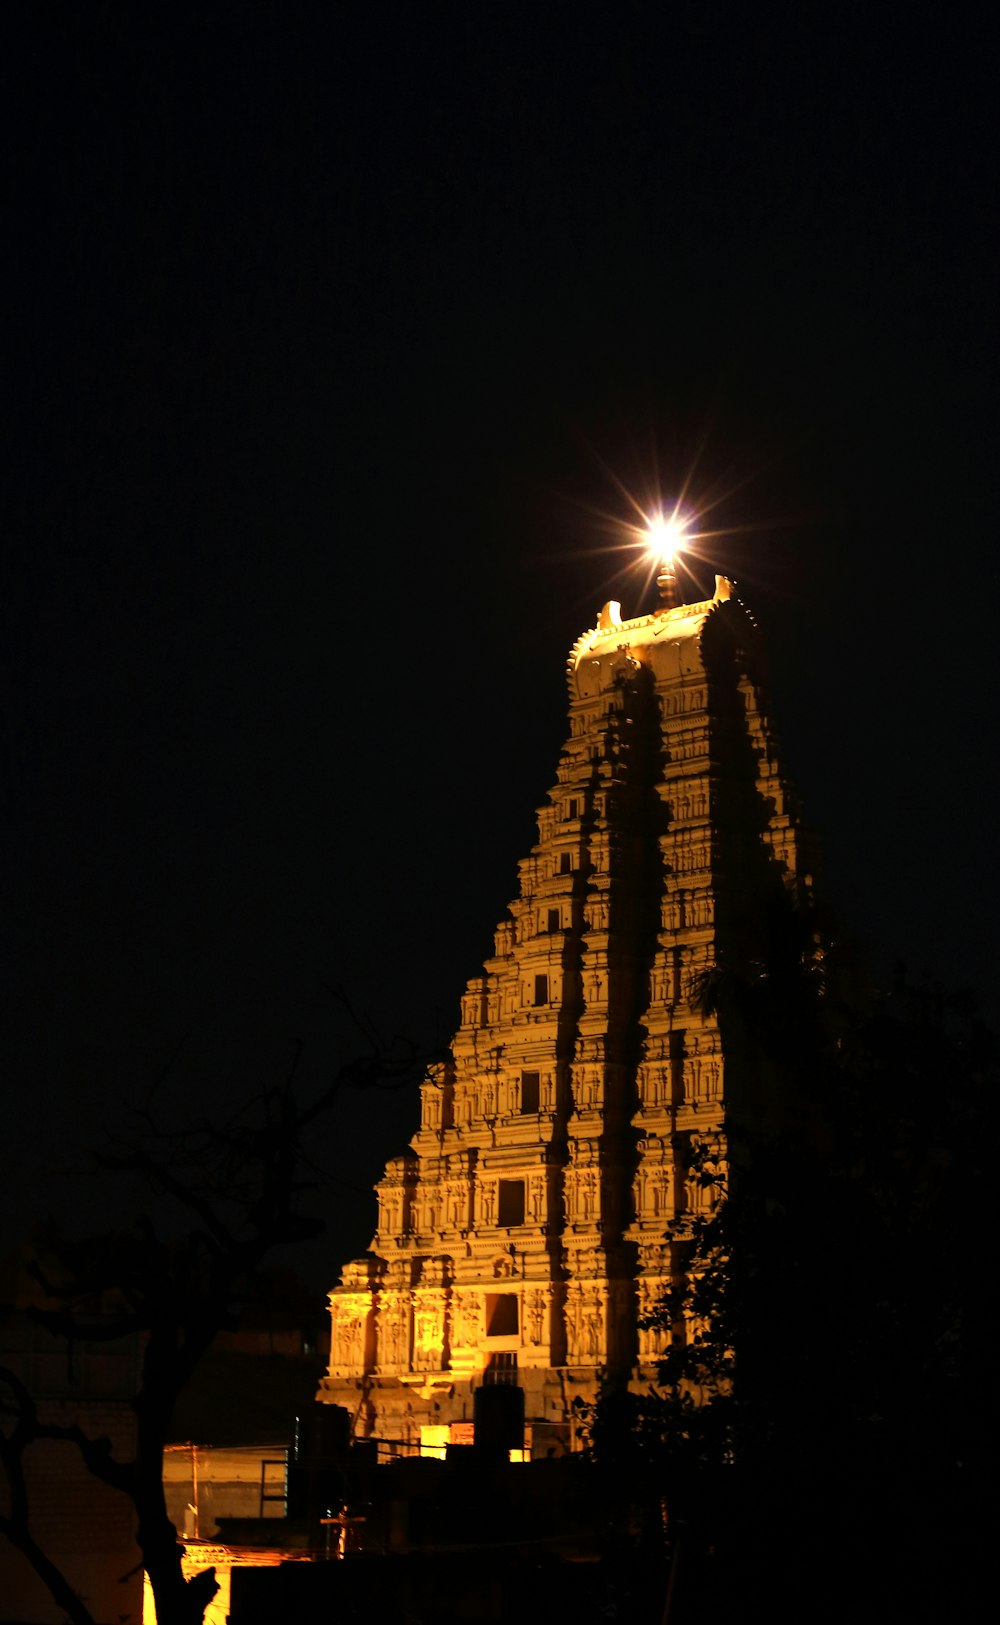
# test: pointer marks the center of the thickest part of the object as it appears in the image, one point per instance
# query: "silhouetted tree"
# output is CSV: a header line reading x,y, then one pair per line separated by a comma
x,y
20,1428
242,1186
818,1431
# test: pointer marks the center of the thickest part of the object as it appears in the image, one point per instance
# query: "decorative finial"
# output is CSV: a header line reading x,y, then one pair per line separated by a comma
x,y
666,581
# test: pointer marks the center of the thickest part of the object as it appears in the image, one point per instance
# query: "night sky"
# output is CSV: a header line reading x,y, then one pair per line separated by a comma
x,y
334,333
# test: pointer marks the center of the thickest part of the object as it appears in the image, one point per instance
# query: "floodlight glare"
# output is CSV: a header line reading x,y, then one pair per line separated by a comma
x,y
666,534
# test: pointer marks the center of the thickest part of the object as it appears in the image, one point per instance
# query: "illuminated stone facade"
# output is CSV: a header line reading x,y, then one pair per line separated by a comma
x,y
534,1221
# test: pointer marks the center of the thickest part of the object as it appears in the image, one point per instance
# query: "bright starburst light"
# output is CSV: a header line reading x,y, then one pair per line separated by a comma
x,y
666,534
665,528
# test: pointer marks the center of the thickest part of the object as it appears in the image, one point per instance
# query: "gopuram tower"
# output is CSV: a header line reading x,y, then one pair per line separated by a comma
x,y
536,1218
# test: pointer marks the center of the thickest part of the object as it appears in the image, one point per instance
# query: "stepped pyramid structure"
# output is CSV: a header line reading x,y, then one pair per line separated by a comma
x,y
537,1216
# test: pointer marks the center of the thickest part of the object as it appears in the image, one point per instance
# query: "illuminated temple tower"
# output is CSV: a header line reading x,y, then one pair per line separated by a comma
x,y
535,1218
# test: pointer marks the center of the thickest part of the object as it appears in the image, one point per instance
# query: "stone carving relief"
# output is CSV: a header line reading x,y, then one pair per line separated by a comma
x,y
587,1192
597,913
571,1195
574,1321
593,1328
463,1106
653,1341
704,1176
654,1187
390,1210
701,1081
486,1101
535,1306
586,1089
394,1194
505,1265
430,1111
652,1084
585,1340
350,1316
467,1319
458,1204
595,985
583,1153
429,1307
430,1207
393,1332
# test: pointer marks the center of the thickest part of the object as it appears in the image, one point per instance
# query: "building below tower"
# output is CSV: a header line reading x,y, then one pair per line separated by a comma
x,y
543,1207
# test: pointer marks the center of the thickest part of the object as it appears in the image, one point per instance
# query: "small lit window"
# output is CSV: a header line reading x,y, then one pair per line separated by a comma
x,y
434,1440
541,990
510,1202
530,1091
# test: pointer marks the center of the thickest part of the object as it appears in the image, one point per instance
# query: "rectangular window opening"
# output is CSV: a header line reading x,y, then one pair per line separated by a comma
x,y
531,1089
541,990
510,1202
565,863
555,919
501,1314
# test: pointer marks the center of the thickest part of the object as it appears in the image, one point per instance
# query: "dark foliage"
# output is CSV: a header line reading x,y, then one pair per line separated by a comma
x,y
818,1440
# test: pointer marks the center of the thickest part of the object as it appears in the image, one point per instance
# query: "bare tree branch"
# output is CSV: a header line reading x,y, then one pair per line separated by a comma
x,y
242,1182
141,1162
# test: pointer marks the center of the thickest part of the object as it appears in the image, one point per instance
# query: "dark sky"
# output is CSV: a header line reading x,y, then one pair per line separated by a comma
x,y
327,327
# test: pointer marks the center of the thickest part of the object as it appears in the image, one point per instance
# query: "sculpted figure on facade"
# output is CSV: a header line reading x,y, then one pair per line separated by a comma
x,y
704,1176
505,1265
467,1311
653,1183
350,1319
428,1330
535,1304
588,1195
597,914
393,1327
700,1079
570,1195
594,993
430,1208
431,1104
653,1340
585,1325
390,1202
574,1323
458,1204
594,1329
